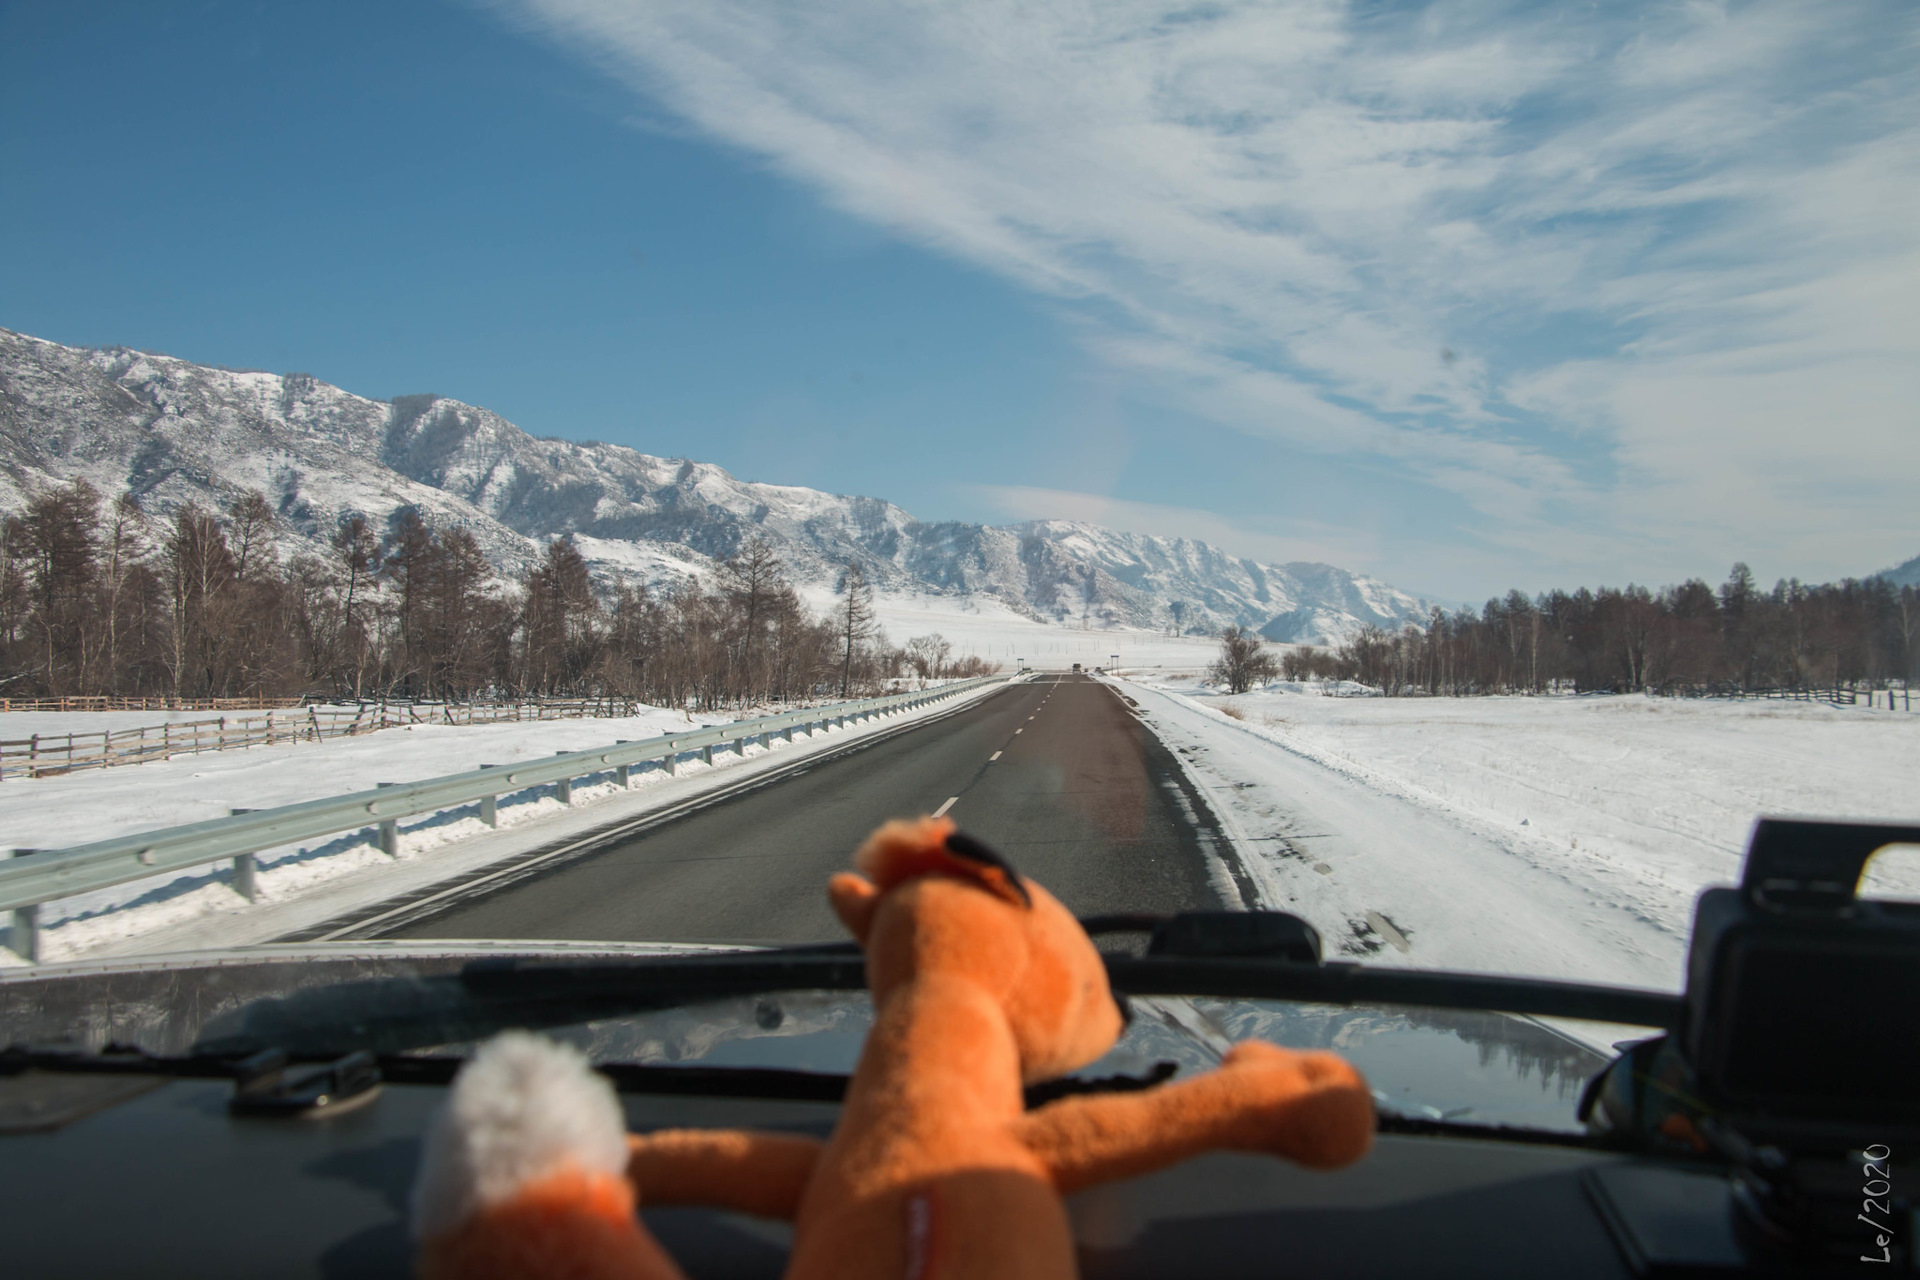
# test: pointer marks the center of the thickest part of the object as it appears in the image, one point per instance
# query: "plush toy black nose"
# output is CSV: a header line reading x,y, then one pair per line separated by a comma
x,y
962,845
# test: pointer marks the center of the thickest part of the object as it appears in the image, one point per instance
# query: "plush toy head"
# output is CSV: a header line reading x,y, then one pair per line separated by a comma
x,y
934,902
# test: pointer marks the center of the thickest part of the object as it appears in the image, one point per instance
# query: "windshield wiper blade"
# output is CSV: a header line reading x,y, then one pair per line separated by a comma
x,y
487,995
1341,982
1266,978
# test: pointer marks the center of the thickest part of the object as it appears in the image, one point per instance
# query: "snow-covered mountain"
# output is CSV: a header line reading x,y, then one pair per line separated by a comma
x,y
1906,575
173,432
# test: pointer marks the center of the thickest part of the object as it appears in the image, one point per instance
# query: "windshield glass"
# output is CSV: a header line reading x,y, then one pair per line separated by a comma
x,y
559,475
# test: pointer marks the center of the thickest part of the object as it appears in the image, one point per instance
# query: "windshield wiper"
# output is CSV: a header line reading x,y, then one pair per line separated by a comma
x,y
1240,955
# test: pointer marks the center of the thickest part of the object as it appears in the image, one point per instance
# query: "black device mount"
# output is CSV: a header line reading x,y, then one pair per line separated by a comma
x,y
1797,1061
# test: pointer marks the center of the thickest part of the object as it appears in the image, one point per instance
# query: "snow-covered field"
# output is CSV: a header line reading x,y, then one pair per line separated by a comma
x,y
981,626
1562,836
200,908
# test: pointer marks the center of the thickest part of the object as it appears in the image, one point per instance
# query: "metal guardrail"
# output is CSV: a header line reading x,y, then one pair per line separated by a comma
x,y
26,882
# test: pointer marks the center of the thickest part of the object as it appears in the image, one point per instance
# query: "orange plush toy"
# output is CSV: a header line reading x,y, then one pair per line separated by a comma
x,y
982,983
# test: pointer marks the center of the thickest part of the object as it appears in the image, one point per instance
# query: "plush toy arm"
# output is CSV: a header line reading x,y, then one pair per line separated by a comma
x,y
1309,1107
759,1173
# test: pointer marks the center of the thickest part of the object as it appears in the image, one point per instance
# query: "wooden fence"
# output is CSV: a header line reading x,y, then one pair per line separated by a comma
x,y
1900,699
48,755
148,704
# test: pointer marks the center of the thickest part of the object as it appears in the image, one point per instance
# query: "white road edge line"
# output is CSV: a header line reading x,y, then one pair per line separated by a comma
x,y
941,811
993,757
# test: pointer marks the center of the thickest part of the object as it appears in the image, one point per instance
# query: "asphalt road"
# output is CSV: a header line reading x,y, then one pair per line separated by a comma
x,y
1057,774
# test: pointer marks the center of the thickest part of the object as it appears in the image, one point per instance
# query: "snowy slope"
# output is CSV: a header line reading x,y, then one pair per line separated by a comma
x,y
171,432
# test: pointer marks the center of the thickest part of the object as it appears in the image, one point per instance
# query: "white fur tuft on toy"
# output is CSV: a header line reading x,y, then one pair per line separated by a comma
x,y
522,1110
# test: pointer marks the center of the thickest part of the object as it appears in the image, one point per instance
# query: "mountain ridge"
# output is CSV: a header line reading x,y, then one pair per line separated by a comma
x,y
172,431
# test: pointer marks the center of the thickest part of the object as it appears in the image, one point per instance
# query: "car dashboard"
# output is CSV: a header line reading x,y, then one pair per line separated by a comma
x,y
128,1174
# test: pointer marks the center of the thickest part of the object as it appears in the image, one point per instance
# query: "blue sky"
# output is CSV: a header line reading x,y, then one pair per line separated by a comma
x,y
1464,295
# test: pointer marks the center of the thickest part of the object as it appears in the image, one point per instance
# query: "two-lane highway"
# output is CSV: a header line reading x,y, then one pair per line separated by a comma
x,y
1057,773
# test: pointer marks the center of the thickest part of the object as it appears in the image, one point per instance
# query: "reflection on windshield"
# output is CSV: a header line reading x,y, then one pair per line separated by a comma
x,y
1476,1068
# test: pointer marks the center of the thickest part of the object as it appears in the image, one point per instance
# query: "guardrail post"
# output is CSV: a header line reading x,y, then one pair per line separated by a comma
x,y
787,733
706,753
389,830
766,741
26,933
672,761
246,872
563,789
740,746
490,805
25,939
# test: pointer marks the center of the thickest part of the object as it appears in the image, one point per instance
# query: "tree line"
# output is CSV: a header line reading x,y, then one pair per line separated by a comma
x,y
1688,638
100,597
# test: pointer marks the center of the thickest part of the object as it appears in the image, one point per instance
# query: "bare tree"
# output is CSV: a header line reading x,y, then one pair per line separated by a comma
x,y
251,534
562,636
928,655
57,542
200,578
356,553
122,551
855,618
753,578
1243,661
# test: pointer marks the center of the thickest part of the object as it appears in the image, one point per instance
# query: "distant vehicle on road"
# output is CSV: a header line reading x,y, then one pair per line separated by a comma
x,y
1076,668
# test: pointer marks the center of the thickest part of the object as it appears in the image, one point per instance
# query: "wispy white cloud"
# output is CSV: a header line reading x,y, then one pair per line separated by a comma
x,y
1626,282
